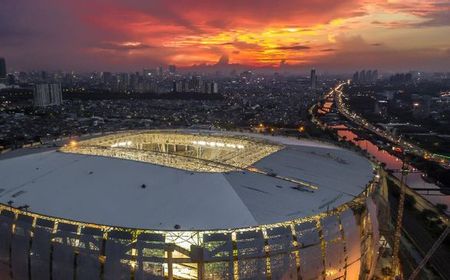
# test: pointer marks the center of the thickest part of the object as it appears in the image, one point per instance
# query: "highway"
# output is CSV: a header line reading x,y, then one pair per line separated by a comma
x,y
413,227
344,109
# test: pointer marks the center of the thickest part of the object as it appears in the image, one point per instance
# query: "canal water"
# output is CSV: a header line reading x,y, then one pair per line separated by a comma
x,y
413,179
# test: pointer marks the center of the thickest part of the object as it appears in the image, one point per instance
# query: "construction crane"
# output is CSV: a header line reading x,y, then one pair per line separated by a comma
x,y
430,253
398,227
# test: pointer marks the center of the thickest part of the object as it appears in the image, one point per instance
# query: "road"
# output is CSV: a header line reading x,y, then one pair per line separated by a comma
x,y
344,109
413,226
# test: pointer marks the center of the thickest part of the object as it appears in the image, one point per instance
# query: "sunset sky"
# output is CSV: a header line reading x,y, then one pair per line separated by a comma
x,y
131,34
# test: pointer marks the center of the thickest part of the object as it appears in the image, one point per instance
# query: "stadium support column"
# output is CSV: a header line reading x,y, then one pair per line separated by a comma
x,y
197,256
398,228
201,267
170,249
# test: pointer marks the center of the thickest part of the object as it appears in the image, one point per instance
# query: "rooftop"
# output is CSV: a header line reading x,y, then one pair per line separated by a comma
x,y
298,179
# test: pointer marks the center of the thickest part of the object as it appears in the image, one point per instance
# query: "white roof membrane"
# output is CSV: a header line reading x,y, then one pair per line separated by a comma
x,y
109,190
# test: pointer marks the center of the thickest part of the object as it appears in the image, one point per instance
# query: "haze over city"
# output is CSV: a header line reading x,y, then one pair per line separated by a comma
x,y
114,35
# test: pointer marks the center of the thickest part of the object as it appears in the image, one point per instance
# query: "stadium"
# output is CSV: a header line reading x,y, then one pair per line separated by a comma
x,y
188,204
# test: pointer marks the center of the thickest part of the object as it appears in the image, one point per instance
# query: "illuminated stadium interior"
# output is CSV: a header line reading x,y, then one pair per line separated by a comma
x,y
193,152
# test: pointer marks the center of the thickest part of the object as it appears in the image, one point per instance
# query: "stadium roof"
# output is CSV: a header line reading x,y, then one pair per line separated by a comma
x,y
128,193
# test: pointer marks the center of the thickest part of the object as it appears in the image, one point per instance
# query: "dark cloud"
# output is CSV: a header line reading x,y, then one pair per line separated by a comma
x,y
218,23
241,45
355,53
434,13
328,50
294,48
393,24
438,18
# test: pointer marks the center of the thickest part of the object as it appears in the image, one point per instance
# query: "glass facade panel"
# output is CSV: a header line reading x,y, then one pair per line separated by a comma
x,y
375,234
65,241
218,256
307,233
366,243
118,255
20,247
334,260
330,228
40,249
311,258
251,255
6,222
353,269
352,243
373,212
334,248
282,255
311,263
150,256
88,263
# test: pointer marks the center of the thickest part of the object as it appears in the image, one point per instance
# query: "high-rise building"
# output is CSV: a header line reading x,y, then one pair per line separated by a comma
x,y
148,73
160,71
215,88
2,68
134,81
107,78
369,76
172,69
375,75
43,76
362,76
381,107
356,77
123,81
196,83
178,86
47,95
210,88
365,77
23,77
10,79
313,78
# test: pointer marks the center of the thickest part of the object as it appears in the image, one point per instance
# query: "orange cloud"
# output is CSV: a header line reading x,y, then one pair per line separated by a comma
x,y
136,33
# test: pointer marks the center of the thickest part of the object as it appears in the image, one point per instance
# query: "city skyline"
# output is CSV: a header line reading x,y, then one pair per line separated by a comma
x,y
291,35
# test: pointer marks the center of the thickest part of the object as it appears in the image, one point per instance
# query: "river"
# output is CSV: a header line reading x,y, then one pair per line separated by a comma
x,y
413,180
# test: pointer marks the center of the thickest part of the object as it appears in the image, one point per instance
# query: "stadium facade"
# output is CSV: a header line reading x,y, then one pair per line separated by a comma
x,y
188,205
